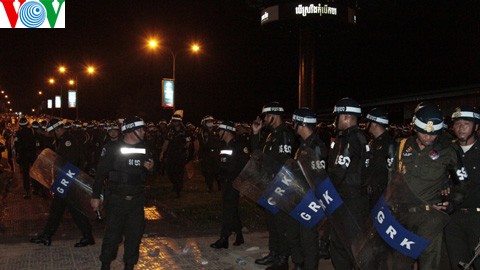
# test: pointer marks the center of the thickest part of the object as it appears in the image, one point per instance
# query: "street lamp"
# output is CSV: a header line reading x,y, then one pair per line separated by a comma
x,y
90,70
153,43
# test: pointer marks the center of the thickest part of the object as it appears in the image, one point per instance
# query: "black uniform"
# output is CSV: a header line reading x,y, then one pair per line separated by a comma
x,y
208,153
305,250
122,165
26,154
279,144
176,156
463,231
379,164
346,168
233,157
67,147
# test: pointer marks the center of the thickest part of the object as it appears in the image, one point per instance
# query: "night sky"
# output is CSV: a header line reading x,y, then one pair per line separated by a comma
x,y
396,48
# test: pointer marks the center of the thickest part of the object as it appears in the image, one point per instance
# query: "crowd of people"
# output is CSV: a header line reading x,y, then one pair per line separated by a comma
x,y
359,155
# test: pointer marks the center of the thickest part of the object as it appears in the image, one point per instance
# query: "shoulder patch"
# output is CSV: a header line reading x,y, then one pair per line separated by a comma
x,y
68,143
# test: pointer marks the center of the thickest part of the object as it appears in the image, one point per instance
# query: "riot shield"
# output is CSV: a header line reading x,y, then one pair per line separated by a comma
x,y
65,180
341,219
278,187
400,227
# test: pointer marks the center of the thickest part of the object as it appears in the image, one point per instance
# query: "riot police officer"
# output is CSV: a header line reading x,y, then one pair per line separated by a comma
x,y
463,231
174,152
207,145
381,154
67,147
425,161
279,144
124,165
305,242
233,157
26,153
346,168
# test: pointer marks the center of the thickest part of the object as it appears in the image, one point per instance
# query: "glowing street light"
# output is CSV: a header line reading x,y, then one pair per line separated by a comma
x,y
6,96
40,93
195,48
62,69
154,43
89,69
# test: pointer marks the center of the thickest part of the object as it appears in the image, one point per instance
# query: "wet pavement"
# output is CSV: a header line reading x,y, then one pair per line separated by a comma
x,y
167,243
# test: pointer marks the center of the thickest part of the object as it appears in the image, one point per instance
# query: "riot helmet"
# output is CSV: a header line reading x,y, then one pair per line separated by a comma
x,y
347,106
272,108
35,125
275,110
228,126
67,125
131,124
23,122
379,116
305,117
43,124
207,121
429,120
176,117
77,124
54,124
468,113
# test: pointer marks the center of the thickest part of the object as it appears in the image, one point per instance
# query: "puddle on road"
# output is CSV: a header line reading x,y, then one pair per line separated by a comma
x,y
151,213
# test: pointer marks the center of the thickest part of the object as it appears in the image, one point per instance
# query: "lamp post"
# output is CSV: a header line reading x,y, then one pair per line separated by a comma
x,y
90,70
154,44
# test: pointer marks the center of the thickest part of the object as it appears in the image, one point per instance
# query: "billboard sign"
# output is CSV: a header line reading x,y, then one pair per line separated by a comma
x,y
72,99
168,93
58,102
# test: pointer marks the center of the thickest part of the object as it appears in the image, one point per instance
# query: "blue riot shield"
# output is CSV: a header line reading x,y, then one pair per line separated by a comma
x,y
399,229
65,180
279,187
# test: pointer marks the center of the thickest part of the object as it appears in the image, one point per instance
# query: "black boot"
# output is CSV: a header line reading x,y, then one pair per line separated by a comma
x,y
129,266
299,266
42,239
267,259
221,243
324,251
86,240
238,239
105,266
279,263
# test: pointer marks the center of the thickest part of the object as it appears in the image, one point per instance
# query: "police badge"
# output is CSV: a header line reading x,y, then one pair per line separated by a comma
x,y
457,113
429,126
434,155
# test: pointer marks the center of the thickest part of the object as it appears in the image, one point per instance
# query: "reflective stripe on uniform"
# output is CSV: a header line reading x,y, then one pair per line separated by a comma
x,y
226,152
127,150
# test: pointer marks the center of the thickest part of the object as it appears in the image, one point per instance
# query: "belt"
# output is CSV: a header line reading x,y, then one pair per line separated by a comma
x,y
469,210
415,209
421,208
126,197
